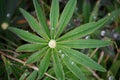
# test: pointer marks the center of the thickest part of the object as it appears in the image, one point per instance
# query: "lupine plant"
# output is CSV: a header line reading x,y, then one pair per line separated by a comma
x,y
49,45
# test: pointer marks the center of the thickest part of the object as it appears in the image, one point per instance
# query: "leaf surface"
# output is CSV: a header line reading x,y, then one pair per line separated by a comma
x,y
34,24
83,59
30,47
27,36
85,43
66,16
57,66
41,17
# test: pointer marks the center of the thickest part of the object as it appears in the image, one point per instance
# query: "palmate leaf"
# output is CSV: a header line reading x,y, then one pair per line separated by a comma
x,y
34,24
44,63
30,47
84,43
36,56
57,66
32,76
29,37
65,16
82,59
73,68
41,17
54,15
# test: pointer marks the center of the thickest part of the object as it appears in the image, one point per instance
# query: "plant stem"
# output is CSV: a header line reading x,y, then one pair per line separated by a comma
x,y
22,62
92,54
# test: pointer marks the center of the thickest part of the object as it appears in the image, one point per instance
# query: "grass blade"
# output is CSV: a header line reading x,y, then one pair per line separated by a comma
x,y
30,47
74,68
32,76
83,59
41,17
94,13
24,75
34,24
54,15
44,64
82,43
57,66
36,56
29,37
86,10
65,16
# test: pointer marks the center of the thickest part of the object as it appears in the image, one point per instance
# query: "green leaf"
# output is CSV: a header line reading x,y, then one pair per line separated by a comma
x,y
65,16
57,66
84,43
54,15
83,30
41,17
44,63
30,47
32,76
73,68
36,56
34,24
24,75
83,59
86,10
29,37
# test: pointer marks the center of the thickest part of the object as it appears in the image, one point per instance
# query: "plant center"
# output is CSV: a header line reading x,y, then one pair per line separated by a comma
x,y
52,43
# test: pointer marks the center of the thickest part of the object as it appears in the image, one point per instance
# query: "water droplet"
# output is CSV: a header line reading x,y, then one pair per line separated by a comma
x,y
8,15
27,31
62,55
102,33
115,35
52,28
111,78
72,63
109,14
94,17
87,37
60,51
25,74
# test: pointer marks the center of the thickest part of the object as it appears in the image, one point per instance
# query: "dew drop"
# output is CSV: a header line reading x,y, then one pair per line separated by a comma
x,y
109,14
94,17
72,63
60,51
8,15
52,28
111,78
87,37
102,33
62,55
25,74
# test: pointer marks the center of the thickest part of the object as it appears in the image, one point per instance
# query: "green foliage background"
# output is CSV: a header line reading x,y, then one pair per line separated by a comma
x,y
84,40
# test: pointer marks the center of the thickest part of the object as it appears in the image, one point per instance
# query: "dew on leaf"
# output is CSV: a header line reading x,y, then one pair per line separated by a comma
x,y
72,62
87,37
60,51
62,55
102,33
8,15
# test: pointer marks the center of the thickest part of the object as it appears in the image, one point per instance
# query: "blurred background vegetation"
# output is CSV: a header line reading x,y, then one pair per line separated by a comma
x,y
86,11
